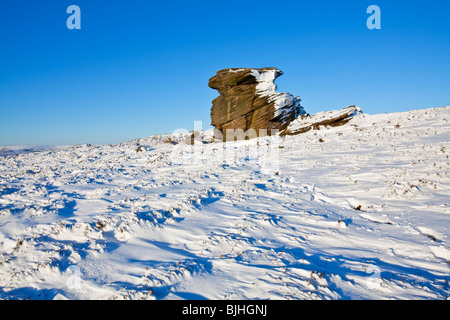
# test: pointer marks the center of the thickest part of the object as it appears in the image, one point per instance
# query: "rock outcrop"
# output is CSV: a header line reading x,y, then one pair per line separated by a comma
x,y
248,100
333,118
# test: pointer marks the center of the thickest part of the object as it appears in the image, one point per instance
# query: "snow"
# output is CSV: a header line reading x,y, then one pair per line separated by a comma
x,y
8,150
265,78
266,87
359,211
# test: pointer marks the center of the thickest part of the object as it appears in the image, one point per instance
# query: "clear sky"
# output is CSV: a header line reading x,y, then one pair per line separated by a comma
x,y
141,67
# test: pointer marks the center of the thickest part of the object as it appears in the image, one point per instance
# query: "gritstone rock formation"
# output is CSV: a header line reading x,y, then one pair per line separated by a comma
x,y
248,100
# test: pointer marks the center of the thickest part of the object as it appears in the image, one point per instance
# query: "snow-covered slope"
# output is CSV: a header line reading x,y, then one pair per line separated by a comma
x,y
359,211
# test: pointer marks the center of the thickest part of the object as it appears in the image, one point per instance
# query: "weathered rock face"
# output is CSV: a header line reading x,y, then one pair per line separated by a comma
x,y
248,100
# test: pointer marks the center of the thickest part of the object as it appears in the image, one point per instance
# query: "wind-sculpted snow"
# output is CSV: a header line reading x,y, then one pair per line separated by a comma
x,y
358,211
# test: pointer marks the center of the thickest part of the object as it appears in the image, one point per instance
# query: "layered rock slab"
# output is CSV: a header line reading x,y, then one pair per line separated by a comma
x,y
334,118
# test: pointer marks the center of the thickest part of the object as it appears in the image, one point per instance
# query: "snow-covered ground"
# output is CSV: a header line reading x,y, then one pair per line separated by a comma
x,y
359,211
11,150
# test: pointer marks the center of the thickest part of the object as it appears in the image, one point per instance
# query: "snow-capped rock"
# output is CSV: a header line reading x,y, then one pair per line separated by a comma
x,y
248,100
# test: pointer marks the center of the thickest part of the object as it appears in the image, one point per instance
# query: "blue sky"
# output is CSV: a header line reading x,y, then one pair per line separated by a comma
x,y
138,68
